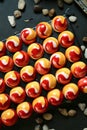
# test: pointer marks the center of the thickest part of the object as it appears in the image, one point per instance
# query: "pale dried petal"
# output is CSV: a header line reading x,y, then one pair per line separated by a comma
x,y
21,4
11,20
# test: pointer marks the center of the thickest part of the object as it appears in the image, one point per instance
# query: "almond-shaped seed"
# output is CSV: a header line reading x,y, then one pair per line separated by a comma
x,y
37,127
47,116
85,112
21,4
45,11
72,19
45,127
84,128
82,106
72,112
84,39
17,13
11,20
85,53
63,111
52,13
83,47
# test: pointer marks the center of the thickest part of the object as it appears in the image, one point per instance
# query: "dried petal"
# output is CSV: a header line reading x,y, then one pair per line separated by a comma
x,y
11,20
82,106
21,4
85,112
47,116
85,53
72,112
72,18
37,127
45,11
63,111
45,127
17,13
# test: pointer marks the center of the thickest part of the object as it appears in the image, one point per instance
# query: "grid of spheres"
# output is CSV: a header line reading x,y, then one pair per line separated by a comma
x,y
55,59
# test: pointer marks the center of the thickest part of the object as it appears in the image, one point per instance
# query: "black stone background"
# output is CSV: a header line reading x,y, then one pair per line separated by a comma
x,y
79,28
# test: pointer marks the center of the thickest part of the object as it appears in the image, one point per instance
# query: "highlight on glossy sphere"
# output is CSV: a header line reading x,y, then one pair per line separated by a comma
x,y
70,91
58,60
4,101
13,43
6,63
40,104
79,69
63,75
9,117
66,39
28,35
33,89
42,66
59,23
82,84
12,79
55,97
73,53
21,58
48,82
2,49
35,51
43,30
17,94
28,73
50,45
24,110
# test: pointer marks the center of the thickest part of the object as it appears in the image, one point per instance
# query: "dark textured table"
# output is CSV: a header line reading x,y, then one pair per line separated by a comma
x,y
7,7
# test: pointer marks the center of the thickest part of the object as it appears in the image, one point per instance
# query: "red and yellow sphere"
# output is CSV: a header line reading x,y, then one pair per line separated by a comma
x,y
35,51
55,97
33,89
28,35
50,45
4,101
42,66
70,91
40,104
48,82
13,44
63,75
2,49
24,110
21,58
73,53
17,94
79,69
12,79
6,63
66,39
2,85
9,117
59,23
43,30
58,60
82,84
28,73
